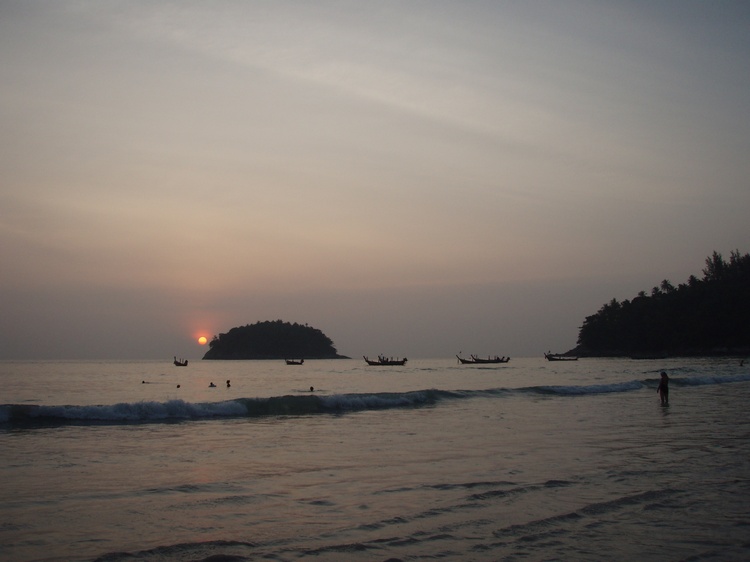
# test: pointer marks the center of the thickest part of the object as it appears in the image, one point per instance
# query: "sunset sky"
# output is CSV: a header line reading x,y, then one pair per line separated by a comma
x,y
413,178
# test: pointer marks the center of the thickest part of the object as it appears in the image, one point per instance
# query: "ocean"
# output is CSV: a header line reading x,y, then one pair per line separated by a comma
x,y
338,461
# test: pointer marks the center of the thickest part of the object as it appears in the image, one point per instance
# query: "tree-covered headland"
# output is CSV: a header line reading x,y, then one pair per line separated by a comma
x,y
708,316
272,340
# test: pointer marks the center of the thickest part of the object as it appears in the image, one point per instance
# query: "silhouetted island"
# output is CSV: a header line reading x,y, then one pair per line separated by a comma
x,y
272,340
703,317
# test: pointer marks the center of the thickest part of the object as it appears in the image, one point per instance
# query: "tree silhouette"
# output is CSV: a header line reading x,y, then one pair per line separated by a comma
x,y
272,340
700,317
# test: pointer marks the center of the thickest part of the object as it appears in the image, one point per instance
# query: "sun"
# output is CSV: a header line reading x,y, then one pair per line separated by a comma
x,y
202,340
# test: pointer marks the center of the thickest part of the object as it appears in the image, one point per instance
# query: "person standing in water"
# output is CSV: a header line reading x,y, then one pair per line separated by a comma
x,y
663,389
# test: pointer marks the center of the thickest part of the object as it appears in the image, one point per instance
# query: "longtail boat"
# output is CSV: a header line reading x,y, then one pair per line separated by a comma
x,y
293,362
558,357
385,361
479,361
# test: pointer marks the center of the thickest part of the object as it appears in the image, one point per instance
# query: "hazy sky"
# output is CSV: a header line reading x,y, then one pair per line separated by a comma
x,y
413,178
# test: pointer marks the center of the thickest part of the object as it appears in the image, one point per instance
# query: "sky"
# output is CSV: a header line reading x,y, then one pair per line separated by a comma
x,y
413,178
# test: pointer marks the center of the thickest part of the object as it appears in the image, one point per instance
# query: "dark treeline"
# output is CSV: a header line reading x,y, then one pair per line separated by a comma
x,y
272,340
708,316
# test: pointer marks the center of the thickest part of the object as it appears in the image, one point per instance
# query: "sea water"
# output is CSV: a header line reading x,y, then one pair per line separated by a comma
x,y
337,460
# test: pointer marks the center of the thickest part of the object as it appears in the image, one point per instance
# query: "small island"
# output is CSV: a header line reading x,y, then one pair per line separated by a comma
x,y
703,317
272,340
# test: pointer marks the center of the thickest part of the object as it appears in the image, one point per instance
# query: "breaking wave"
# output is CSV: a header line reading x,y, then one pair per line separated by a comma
x,y
12,415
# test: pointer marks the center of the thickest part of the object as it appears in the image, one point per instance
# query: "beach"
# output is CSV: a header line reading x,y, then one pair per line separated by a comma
x,y
529,460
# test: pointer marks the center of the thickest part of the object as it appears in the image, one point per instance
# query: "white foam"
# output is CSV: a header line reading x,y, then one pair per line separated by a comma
x,y
142,411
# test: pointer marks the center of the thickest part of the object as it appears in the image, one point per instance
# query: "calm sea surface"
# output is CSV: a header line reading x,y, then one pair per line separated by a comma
x,y
524,461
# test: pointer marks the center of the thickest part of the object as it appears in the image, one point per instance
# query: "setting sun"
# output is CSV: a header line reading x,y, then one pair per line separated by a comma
x,y
202,340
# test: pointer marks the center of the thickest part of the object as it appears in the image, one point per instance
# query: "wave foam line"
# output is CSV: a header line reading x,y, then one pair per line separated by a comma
x,y
122,412
179,410
587,390
710,379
